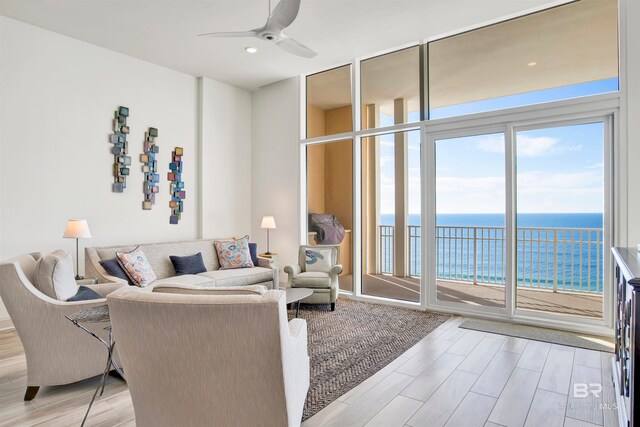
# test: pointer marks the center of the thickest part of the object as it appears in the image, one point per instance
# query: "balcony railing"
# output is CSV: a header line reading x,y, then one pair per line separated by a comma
x,y
565,259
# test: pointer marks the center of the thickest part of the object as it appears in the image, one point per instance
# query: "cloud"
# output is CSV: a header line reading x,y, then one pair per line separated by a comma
x,y
527,146
537,192
491,144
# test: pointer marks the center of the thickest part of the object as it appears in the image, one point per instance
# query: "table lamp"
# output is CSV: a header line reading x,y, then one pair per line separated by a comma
x,y
77,229
268,222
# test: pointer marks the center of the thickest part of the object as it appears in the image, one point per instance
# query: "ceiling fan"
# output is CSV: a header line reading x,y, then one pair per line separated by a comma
x,y
282,16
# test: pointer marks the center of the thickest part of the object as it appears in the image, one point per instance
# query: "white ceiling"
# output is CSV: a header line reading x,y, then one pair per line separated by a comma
x,y
164,32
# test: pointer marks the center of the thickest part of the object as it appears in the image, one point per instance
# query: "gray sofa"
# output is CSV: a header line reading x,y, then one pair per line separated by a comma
x,y
266,273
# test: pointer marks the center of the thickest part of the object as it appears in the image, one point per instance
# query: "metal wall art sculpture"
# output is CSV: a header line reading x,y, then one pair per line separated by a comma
x,y
121,162
177,186
150,168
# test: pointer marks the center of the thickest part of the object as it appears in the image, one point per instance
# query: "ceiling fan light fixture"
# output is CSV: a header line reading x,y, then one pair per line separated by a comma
x,y
280,18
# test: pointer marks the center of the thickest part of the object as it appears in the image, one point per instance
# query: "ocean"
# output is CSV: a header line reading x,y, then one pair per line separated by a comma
x,y
564,250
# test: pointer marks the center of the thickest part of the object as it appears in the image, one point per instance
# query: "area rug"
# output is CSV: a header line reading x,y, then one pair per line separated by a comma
x,y
350,344
571,339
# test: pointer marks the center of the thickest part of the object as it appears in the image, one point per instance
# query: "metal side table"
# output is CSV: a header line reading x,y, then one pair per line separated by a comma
x,y
99,314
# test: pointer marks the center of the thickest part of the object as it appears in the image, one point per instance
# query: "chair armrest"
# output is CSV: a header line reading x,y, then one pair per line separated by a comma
x,y
293,270
298,334
335,270
296,327
104,289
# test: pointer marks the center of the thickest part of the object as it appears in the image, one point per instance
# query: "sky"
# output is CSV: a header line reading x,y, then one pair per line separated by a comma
x,y
559,170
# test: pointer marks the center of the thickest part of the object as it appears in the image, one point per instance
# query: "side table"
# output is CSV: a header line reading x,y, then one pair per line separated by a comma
x,y
98,314
86,281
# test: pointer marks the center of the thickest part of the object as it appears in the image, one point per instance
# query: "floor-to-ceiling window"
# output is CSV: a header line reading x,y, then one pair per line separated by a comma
x,y
391,216
329,166
390,179
481,165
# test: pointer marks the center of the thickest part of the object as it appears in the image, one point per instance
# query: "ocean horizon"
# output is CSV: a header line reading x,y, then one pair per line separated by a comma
x,y
573,258
546,220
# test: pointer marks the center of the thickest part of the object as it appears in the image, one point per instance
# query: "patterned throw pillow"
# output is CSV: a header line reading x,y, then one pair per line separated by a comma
x,y
233,253
137,267
318,260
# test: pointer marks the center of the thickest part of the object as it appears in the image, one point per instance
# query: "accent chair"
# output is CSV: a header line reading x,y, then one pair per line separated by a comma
x,y
322,281
57,351
211,356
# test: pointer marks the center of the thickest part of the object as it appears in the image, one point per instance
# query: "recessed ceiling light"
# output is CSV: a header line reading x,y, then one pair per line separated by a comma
x,y
532,64
251,49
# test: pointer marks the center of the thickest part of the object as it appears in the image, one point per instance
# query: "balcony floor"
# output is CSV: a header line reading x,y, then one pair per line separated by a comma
x,y
408,289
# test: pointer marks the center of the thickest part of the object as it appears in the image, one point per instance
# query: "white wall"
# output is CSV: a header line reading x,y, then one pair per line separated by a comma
x,y
225,160
58,100
275,166
4,316
633,118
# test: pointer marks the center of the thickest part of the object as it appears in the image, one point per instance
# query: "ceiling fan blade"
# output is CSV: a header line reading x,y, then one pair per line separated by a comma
x,y
295,47
283,15
251,33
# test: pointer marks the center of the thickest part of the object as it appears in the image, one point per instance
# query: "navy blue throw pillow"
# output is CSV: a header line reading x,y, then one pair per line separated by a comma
x,y
85,294
253,250
113,268
192,264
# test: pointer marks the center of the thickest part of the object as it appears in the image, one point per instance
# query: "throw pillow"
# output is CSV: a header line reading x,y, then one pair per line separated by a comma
x,y
233,253
54,275
192,264
318,260
113,268
137,267
85,294
253,250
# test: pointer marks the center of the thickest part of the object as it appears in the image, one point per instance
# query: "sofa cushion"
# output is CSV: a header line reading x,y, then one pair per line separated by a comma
x,y
113,268
137,267
54,275
158,254
312,279
240,277
196,290
191,264
253,250
234,253
187,279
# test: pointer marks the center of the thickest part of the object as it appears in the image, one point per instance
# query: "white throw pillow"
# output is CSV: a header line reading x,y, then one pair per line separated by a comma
x,y
54,275
318,260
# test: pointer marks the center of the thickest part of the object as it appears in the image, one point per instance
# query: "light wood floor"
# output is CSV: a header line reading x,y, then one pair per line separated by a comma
x,y
458,377
408,289
453,377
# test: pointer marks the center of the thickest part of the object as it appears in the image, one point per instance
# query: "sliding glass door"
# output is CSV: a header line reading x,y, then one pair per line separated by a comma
x,y
470,213
560,218
518,218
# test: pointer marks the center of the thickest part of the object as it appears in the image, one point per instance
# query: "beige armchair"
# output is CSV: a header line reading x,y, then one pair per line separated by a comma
x,y
216,356
57,352
324,284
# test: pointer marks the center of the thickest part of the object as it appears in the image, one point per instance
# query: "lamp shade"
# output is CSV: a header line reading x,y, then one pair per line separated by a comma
x,y
77,229
268,222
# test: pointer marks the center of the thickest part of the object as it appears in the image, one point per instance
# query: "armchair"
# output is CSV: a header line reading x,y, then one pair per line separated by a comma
x,y
56,351
214,356
324,284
